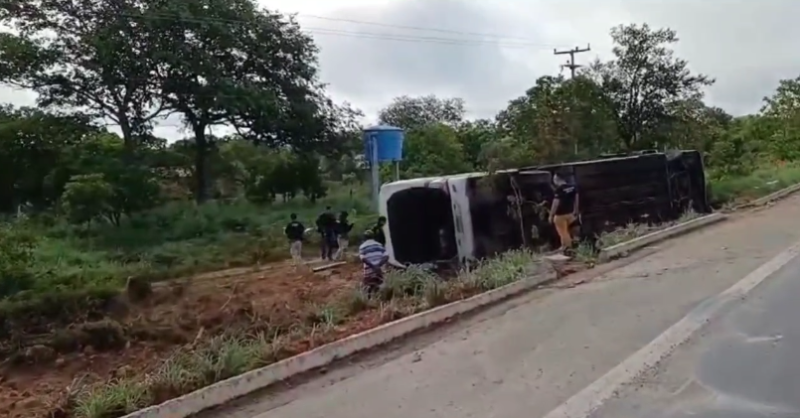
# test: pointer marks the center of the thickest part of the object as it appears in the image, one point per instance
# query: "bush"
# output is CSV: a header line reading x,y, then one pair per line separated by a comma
x,y
16,261
501,270
407,282
759,183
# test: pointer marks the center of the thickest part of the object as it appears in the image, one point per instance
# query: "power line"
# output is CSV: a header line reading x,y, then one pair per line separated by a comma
x,y
367,35
499,41
421,39
417,28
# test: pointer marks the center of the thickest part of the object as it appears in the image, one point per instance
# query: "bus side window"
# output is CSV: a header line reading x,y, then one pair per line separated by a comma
x,y
457,218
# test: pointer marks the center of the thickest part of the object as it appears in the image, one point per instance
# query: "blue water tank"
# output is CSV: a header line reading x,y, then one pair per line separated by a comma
x,y
389,140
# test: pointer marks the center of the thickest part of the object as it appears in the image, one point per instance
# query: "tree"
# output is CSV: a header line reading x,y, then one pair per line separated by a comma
x,y
412,113
92,56
473,137
644,80
734,153
88,197
33,146
580,115
505,153
242,161
560,120
230,63
521,119
307,175
134,187
691,125
782,109
785,102
433,150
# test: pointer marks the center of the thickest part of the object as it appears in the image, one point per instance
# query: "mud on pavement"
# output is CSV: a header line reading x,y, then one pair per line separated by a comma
x,y
527,357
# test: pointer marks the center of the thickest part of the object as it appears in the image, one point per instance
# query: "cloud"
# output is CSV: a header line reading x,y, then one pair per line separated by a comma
x,y
370,68
747,46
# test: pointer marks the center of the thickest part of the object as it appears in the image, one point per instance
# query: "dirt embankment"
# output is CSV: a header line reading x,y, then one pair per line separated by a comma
x,y
43,361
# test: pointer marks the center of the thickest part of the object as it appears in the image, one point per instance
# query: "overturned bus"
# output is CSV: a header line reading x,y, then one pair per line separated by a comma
x,y
464,217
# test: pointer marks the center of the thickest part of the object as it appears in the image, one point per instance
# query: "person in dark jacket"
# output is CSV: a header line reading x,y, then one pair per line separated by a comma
x,y
376,231
326,227
294,232
343,228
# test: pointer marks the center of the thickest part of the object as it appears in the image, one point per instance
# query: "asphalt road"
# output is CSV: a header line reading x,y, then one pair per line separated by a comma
x,y
744,364
528,358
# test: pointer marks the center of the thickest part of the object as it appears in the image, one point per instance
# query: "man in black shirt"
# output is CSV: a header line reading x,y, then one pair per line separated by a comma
x,y
294,232
326,226
564,210
343,228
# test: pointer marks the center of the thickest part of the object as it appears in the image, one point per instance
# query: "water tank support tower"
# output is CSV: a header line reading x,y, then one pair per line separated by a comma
x,y
382,143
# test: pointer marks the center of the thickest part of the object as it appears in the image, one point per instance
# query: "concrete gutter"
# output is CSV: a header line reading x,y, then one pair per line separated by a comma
x,y
238,386
772,197
624,248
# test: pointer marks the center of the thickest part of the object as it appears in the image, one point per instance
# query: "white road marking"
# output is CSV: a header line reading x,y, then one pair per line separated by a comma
x,y
588,400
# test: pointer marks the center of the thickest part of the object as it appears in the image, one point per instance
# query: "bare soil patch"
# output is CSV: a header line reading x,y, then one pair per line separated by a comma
x,y
134,337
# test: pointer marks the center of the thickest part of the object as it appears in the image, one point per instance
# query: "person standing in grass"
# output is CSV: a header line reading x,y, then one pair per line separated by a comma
x,y
326,227
564,210
294,232
373,257
343,228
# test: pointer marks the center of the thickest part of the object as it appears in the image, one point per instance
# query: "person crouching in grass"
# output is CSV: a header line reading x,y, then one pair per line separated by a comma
x,y
373,257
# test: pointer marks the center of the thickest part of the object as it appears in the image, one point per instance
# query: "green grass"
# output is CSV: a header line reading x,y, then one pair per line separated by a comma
x,y
759,183
177,239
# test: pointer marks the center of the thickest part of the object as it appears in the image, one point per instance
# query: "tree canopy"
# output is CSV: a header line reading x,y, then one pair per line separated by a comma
x,y
125,65
414,112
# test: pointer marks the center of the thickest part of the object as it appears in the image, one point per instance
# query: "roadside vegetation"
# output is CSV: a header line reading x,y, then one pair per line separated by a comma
x,y
93,221
733,189
634,230
197,365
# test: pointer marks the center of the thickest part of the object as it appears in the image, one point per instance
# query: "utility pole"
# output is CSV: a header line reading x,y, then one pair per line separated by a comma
x,y
572,66
571,62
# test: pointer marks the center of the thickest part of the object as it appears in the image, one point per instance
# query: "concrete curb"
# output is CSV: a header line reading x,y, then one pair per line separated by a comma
x,y
780,194
238,386
624,248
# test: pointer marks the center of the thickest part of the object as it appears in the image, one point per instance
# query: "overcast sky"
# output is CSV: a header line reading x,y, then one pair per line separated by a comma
x,y
746,45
